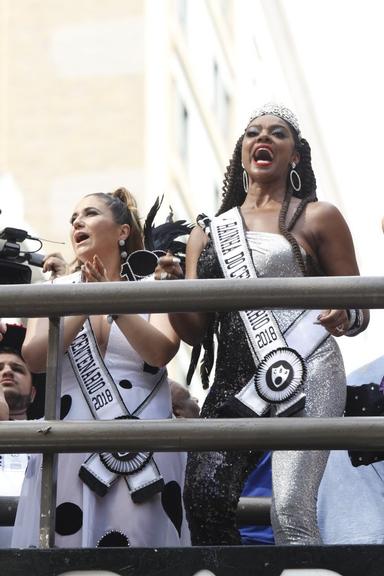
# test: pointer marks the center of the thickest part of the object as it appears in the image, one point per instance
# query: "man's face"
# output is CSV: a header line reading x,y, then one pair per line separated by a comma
x,y
16,381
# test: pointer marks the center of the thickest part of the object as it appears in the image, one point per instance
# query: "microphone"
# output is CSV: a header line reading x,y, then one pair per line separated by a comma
x,y
35,259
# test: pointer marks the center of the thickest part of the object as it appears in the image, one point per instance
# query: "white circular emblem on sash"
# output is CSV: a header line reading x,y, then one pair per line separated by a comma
x,y
125,462
279,375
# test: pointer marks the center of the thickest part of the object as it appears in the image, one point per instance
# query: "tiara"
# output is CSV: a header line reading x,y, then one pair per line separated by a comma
x,y
272,109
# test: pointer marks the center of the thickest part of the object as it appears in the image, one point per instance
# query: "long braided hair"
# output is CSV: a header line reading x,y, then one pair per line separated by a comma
x,y
234,195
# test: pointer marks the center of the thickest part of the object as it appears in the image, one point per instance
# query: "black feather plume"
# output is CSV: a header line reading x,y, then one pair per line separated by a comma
x,y
148,224
166,236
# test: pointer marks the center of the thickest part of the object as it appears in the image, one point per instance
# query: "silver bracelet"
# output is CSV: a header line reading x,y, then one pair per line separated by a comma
x,y
352,315
356,318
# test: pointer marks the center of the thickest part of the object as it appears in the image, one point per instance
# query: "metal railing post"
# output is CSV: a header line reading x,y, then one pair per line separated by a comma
x,y
52,398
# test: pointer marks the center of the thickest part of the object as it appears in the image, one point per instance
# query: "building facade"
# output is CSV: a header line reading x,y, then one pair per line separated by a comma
x,y
147,94
96,95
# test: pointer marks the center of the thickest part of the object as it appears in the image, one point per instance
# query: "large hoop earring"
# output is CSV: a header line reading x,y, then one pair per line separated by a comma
x,y
245,181
294,178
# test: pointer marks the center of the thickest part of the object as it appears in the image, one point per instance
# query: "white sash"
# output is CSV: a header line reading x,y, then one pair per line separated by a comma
x,y
99,471
281,371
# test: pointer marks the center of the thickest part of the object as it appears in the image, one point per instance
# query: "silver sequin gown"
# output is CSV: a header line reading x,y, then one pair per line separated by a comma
x,y
215,479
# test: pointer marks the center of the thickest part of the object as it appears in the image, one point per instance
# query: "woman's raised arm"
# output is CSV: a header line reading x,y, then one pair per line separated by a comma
x,y
190,326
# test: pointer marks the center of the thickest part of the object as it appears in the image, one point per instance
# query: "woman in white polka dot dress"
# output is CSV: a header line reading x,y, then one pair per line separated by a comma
x,y
114,367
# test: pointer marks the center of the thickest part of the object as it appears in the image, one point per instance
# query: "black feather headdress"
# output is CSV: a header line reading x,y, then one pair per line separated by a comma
x,y
167,237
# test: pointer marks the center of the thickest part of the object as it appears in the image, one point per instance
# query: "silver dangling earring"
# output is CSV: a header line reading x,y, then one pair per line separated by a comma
x,y
123,253
245,180
294,178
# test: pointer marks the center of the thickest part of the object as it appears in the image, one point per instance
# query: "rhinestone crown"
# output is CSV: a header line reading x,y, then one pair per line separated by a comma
x,y
278,110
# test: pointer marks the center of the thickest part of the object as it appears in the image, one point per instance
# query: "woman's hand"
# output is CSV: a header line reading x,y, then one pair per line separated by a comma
x,y
168,268
94,271
55,264
3,329
35,347
335,321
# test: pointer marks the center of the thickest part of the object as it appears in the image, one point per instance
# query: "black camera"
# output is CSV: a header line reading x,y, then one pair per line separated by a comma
x,y
12,256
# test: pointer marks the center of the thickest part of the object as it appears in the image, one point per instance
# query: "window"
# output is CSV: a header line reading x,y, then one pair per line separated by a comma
x,y
221,100
217,195
182,13
182,128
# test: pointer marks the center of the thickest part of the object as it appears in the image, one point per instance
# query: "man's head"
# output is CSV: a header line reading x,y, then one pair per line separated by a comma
x,y
16,381
183,404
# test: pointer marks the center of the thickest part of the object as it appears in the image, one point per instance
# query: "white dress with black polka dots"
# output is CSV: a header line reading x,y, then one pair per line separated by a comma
x,y
84,519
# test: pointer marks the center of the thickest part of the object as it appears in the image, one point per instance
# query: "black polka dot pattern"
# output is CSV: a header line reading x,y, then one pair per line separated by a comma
x,y
65,406
69,519
113,539
126,384
171,501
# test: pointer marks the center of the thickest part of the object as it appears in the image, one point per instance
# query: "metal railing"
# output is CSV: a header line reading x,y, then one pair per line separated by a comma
x,y
55,301
193,435
41,300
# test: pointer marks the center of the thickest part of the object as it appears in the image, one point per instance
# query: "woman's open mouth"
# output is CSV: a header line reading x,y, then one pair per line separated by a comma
x,y
80,237
263,156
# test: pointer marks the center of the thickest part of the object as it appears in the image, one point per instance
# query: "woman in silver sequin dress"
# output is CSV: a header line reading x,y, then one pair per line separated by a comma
x,y
289,233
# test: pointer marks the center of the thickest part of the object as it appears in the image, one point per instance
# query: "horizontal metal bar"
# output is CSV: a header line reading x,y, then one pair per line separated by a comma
x,y
254,511
249,510
191,295
193,435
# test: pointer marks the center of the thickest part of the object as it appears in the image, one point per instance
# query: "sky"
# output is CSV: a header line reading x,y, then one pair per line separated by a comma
x,y
341,46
